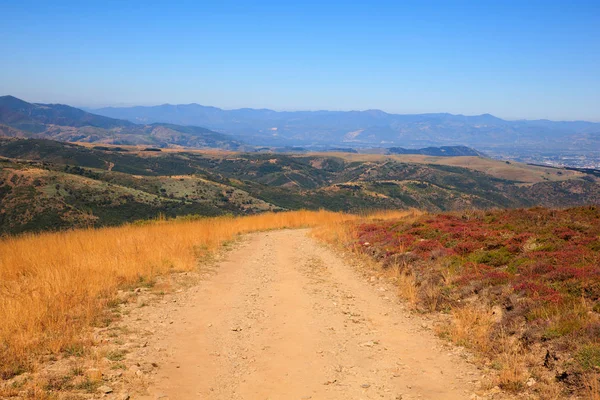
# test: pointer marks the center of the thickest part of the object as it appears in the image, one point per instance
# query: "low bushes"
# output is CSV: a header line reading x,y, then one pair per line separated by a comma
x,y
536,270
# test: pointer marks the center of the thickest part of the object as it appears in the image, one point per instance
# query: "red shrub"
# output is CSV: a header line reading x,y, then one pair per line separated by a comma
x,y
538,291
464,248
579,273
496,277
566,262
538,268
426,246
564,233
515,244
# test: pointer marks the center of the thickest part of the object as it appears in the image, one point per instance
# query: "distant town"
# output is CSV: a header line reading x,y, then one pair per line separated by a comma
x,y
575,159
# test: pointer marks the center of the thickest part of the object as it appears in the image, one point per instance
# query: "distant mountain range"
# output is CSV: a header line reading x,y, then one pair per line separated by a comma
x,y
369,128
19,118
199,126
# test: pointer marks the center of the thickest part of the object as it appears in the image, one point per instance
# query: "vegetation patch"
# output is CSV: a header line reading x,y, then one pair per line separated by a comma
x,y
522,286
49,185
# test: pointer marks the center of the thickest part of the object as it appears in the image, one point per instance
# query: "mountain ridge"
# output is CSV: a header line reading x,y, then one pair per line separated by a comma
x,y
194,125
369,110
19,118
367,127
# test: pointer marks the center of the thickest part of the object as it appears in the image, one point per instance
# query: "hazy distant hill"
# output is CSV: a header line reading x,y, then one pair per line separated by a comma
x,y
371,127
19,118
443,151
35,117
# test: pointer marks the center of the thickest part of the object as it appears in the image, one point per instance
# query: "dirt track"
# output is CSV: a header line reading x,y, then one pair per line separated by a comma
x,y
283,317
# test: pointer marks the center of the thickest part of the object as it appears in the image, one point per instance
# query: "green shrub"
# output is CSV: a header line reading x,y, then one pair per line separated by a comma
x,y
493,258
589,357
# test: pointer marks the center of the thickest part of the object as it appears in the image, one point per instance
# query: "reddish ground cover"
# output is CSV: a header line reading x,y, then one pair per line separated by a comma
x,y
540,266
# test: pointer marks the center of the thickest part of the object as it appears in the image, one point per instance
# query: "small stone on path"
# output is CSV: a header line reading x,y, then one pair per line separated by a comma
x,y
105,389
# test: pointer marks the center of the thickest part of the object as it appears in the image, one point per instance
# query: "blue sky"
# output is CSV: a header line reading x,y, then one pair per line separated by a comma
x,y
513,59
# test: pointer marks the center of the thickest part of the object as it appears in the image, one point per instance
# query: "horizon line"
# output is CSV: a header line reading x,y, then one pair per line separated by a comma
x,y
93,108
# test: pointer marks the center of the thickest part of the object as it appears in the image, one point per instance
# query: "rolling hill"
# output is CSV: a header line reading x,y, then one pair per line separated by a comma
x,y
19,118
46,184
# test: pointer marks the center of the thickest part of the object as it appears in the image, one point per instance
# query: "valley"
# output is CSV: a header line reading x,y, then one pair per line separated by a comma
x,y
53,185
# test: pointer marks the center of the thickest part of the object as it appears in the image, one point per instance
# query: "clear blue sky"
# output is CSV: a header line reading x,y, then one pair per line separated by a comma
x,y
514,59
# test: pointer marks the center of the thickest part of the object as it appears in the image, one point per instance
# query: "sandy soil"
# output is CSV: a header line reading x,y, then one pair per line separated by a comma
x,y
283,317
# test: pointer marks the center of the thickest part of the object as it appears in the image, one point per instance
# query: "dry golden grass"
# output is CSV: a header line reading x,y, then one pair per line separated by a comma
x,y
592,386
344,236
471,327
407,287
512,374
512,357
53,285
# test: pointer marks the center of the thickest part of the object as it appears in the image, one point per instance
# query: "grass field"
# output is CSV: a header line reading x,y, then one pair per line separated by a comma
x,y
55,285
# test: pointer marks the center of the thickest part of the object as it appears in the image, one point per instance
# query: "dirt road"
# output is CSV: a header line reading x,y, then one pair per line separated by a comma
x,y
283,317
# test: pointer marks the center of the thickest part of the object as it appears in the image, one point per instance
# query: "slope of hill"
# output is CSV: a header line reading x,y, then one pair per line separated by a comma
x,y
100,186
512,171
61,122
34,198
371,127
29,117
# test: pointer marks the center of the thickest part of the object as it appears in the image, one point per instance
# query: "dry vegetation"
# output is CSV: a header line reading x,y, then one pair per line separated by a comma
x,y
499,169
514,171
55,285
519,287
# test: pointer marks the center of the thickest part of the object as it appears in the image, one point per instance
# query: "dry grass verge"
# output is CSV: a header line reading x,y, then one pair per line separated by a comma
x,y
54,285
